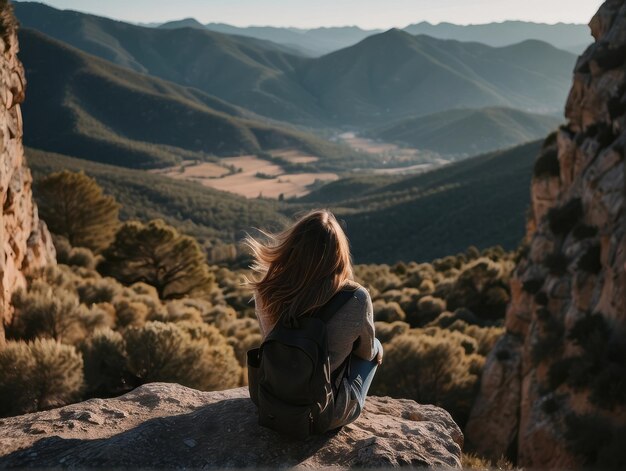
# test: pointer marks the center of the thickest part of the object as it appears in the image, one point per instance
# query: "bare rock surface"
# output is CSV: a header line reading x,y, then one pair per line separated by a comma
x,y
555,374
166,425
25,242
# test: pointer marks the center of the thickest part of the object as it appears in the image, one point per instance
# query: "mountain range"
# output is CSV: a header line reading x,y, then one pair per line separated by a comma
x,y
570,37
112,114
319,41
150,97
394,74
384,77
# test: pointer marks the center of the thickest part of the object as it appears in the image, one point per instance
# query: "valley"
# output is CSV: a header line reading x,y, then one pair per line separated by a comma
x,y
149,170
204,115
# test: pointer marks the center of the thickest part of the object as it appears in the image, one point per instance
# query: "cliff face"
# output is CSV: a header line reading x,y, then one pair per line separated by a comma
x,y
164,425
25,243
553,392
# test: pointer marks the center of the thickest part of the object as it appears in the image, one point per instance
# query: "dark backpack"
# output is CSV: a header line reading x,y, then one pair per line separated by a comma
x,y
289,375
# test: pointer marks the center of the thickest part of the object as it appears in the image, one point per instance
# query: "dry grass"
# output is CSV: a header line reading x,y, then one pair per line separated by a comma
x,y
192,171
473,461
246,180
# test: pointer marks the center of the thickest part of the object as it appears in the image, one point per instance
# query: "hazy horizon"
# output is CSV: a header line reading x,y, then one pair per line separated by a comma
x,y
366,14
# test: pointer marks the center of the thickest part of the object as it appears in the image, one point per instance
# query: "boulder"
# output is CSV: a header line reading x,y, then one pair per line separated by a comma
x,y
166,425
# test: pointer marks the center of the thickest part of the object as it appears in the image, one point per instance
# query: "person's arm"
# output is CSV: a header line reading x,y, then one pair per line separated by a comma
x,y
366,346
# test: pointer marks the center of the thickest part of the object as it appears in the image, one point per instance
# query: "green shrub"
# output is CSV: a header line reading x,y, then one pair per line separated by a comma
x,y
167,352
472,253
485,337
81,257
590,261
563,219
44,312
601,368
17,367
388,311
430,369
177,311
386,332
130,313
547,164
62,247
104,355
101,290
428,308
482,288
38,375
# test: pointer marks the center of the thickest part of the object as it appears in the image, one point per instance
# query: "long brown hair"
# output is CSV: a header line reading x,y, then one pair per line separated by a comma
x,y
301,268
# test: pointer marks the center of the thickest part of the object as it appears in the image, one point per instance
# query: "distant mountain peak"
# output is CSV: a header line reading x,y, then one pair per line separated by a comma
x,y
184,23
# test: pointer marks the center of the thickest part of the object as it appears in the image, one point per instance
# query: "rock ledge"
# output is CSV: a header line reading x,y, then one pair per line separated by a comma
x,y
167,425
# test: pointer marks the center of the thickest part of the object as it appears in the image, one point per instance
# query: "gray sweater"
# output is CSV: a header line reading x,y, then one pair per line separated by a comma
x,y
351,326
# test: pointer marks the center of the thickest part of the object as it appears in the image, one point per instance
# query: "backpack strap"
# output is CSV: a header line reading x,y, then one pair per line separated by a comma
x,y
326,312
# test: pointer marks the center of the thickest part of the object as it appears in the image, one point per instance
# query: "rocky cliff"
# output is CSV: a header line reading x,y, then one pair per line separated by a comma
x,y
165,425
25,243
553,391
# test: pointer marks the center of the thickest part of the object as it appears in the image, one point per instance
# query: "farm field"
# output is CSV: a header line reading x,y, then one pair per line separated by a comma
x,y
251,176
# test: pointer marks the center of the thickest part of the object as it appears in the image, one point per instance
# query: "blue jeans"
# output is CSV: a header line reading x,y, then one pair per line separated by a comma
x,y
361,375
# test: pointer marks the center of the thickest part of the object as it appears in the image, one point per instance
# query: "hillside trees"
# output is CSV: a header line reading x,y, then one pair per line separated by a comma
x,y
74,206
157,254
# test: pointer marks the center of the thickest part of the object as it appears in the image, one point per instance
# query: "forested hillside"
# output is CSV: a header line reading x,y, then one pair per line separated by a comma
x,y
479,201
114,115
466,132
395,74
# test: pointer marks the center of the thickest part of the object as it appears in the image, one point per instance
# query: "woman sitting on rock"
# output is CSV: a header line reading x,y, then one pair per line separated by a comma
x,y
319,353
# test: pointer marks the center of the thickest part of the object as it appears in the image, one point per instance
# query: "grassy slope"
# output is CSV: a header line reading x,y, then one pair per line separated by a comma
x,y
467,131
385,76
114,115
480,201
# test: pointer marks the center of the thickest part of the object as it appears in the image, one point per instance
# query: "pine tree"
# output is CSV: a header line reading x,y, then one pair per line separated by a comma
x,y
157,254
74,206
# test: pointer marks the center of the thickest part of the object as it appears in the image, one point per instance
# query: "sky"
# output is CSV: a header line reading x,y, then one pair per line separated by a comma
x,y
367,14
